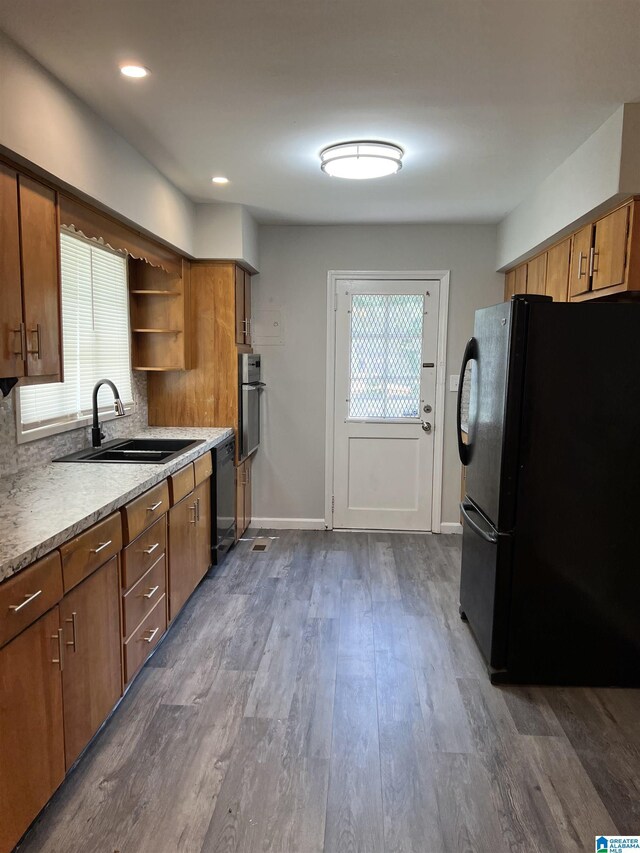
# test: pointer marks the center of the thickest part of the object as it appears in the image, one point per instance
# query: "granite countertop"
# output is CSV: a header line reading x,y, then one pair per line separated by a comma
x,y
45,506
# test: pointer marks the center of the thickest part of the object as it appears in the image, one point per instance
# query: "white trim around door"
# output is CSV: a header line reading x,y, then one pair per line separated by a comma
x,y
333,277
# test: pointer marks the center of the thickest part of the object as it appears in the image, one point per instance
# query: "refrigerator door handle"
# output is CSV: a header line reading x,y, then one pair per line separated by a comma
x,y
488,535
470,354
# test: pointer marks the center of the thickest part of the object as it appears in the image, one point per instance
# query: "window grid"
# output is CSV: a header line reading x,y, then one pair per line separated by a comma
x,y
385,356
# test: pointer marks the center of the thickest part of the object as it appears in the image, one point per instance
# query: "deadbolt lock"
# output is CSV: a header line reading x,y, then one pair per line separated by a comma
x,y
426,409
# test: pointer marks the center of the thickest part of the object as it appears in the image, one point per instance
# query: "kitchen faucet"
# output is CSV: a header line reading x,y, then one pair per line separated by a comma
x,y
96,430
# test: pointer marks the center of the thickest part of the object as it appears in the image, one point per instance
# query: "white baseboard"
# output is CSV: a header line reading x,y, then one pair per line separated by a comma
x,y
289,523
450,527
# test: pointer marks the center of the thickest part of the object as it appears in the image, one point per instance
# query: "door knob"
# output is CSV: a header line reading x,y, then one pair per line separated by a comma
x,y
426,426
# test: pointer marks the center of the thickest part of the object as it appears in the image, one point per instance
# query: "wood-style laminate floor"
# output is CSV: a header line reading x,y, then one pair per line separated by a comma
x,y
325,696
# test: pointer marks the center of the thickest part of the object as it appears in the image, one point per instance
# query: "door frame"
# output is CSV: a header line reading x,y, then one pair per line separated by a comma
x,y
335,276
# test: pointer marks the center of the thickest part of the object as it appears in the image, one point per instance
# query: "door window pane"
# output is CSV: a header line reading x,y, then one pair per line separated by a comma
x,y
385,355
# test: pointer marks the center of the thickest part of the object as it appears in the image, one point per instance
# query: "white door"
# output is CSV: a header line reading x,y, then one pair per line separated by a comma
x,y
385,385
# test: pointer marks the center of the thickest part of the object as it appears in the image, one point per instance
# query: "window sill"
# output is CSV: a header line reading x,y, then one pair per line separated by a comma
x,y
23,436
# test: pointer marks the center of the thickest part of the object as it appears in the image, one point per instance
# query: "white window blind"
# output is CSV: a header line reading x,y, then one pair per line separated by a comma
x,y
95,324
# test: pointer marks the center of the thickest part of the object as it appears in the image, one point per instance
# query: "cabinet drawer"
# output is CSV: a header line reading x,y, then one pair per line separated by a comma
x,y
143,552
181,483
84,554
143,511
203,467
25,597
143,596
144,639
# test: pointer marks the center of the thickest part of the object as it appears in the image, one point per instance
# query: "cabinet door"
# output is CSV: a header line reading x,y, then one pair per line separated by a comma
x,y
509,285
92,675
203,529
537,274
240,490
12,339
247,494
579,281
31,731
40,277
247,307
182,551
558,271
610,249
241,325
521,279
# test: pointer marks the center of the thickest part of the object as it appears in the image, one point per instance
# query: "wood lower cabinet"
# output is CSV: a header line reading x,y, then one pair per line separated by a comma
x,y
189,545
30,309
92,674
32,761
243,496
203,528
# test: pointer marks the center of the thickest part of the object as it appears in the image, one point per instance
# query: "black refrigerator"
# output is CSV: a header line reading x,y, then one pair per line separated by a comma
x,y
550,575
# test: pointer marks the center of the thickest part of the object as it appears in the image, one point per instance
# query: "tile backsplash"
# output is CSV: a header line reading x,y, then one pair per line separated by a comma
x,y
16,457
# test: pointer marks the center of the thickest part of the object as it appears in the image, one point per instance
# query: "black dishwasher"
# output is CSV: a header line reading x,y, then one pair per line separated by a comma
x,y
224,500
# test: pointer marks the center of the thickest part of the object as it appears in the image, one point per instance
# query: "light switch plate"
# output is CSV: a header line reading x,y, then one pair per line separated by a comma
x,y
454,380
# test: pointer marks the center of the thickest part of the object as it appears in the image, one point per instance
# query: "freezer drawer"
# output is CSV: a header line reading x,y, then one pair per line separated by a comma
x,y
485,583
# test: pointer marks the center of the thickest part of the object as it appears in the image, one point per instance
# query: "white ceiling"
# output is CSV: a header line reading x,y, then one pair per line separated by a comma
x,y
486,96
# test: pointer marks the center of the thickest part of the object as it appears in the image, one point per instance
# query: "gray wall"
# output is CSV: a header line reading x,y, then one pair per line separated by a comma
x,y
288,479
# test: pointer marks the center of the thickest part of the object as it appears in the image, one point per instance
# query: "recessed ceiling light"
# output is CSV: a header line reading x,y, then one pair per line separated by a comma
x,y
219,179
134,70
361,160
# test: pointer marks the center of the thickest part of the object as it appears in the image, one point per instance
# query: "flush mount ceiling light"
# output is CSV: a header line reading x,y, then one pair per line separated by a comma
x,y
361,160
219,179
134,70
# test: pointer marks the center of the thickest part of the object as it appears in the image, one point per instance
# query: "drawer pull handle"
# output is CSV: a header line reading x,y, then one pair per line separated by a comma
x,y
151,549
154,506
72,642
152,634
27,600
151,593
101,546
60,659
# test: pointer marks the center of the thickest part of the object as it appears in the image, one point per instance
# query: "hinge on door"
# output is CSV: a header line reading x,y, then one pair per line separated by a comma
x,y
333,503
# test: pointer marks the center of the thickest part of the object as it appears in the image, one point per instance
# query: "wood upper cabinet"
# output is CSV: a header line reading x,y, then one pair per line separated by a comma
x,y
40,255
537,274
579,279
557,281
92,674
243,307
30,316
12,341
609,257
509,285
31,732
521,279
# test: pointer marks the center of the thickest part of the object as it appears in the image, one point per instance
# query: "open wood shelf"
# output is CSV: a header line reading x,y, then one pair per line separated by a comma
x,y
160,339
156,292
158,331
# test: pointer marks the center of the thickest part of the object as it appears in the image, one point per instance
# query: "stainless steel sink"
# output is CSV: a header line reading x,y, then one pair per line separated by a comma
x,y
134,450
